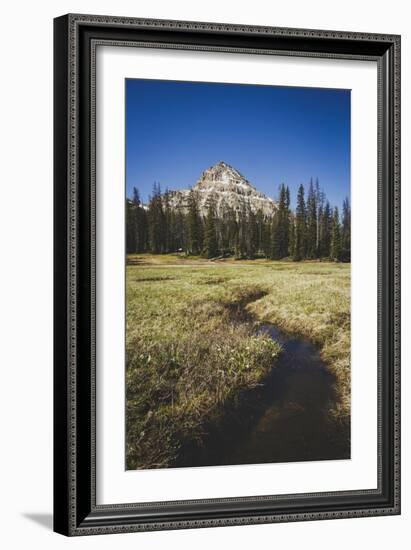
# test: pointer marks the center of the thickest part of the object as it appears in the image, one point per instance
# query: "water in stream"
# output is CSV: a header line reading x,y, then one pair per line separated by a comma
x,y
284,420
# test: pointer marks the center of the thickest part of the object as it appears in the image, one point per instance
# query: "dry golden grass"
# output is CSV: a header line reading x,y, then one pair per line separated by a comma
x,y
192,342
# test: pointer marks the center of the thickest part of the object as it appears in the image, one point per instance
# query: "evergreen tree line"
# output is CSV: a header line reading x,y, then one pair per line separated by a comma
x,y
315,230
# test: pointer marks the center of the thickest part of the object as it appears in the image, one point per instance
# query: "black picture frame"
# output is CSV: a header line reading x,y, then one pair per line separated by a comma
x,y
75,40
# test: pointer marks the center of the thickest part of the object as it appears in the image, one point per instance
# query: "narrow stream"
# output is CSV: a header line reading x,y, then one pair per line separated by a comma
x,y
285,420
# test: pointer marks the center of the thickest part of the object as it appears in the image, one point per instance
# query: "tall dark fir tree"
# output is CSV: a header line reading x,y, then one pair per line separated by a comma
x,y
300,227
141,225
311,235
210,247
325,230
346,231
157,224
336,246
194,223
280,227
130,227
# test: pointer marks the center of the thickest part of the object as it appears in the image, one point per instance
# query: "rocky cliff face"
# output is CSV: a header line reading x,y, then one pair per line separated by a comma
x,y
225,187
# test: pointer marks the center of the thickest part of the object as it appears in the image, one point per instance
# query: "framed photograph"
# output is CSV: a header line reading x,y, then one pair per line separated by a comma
x,y
227,277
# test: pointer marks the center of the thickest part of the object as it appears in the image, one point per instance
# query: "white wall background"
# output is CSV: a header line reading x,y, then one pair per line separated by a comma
x,y
26,271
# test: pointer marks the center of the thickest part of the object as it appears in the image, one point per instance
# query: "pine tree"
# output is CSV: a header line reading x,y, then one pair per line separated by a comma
x,y
325,231
291,245
251,234
311,222
130,228
180,228
287,196
168,230
241,236
231,229
210,249
266,238
283,221
136,224
320,198
276,236
136,197
259,220
346,232
156,221
287,222
280,227
336,236
142,229
320,218
300,227
173,231
195,237
221,228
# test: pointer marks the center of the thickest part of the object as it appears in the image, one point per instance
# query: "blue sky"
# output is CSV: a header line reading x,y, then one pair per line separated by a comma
x,y
271,134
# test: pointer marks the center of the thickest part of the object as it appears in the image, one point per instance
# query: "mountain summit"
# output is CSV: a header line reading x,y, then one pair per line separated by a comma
x,y
225,187
222,176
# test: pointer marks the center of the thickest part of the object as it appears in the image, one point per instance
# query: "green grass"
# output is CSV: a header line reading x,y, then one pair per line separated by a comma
x,y
192,344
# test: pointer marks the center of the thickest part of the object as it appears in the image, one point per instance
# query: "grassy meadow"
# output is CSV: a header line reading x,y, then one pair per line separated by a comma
x,y
192,341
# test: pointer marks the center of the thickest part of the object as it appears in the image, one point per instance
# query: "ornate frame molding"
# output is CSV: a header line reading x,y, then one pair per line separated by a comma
x,y
76,40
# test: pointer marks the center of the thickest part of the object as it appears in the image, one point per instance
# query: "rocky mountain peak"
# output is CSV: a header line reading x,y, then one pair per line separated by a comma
x,y
226,187
222,176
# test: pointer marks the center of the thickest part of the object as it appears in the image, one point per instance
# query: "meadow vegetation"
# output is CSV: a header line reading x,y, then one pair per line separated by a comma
x,y
192,342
